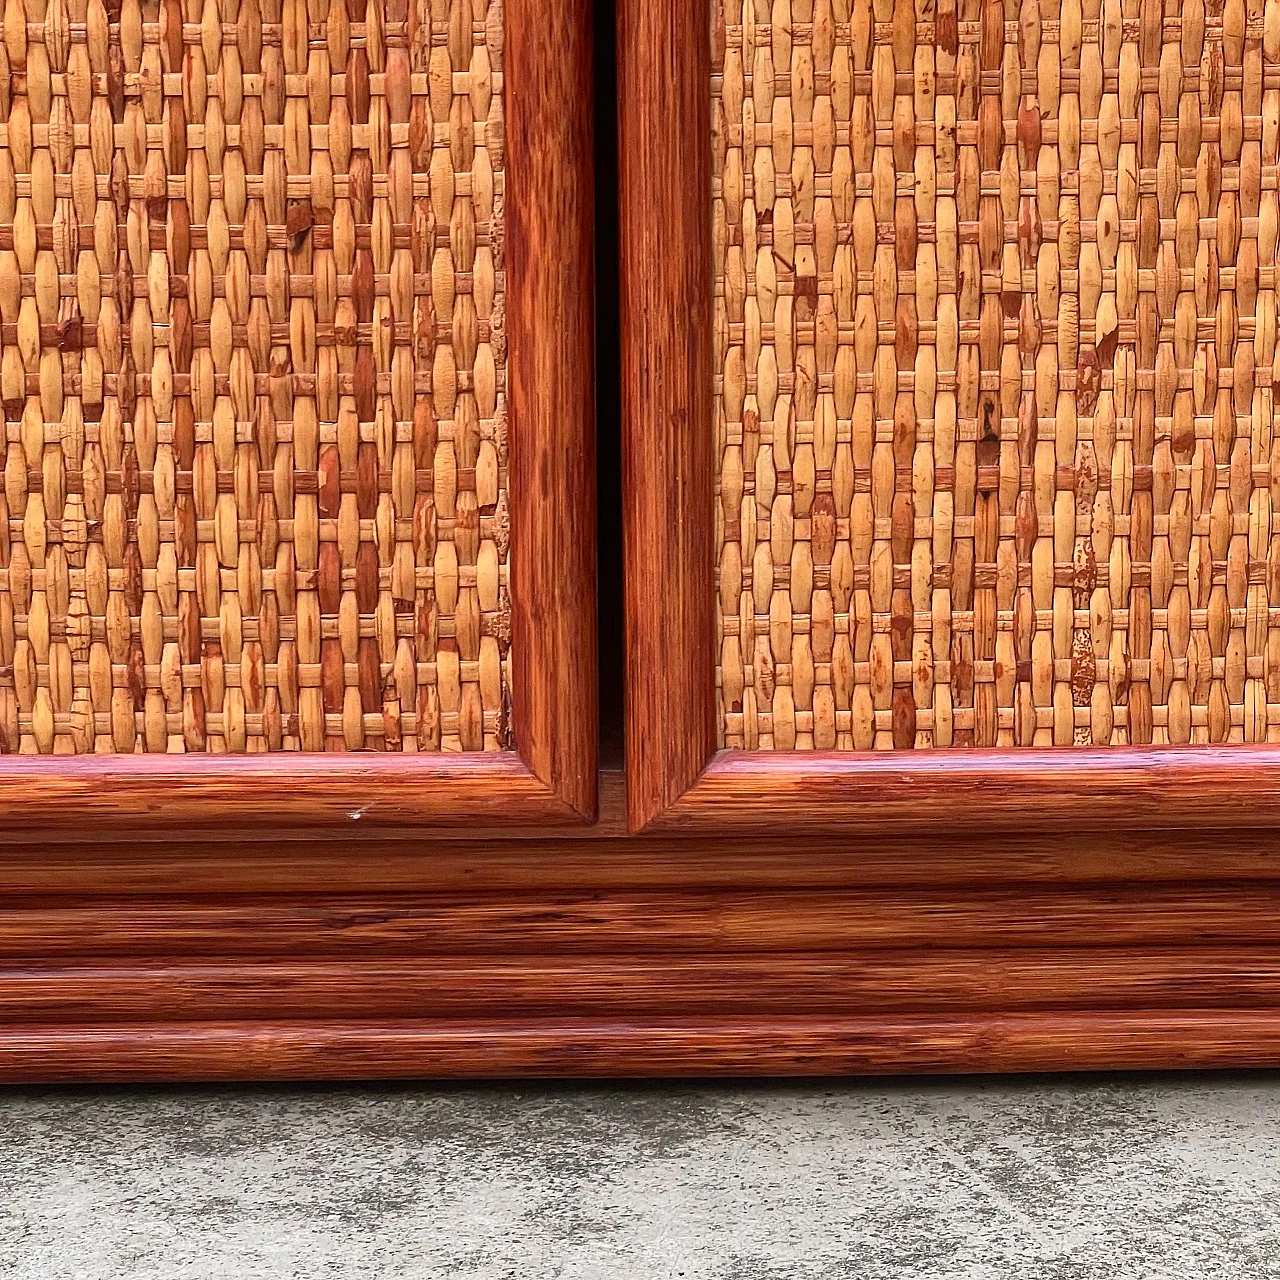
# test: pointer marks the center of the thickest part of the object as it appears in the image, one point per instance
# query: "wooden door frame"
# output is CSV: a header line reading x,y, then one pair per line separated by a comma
x,y
551,776
677,780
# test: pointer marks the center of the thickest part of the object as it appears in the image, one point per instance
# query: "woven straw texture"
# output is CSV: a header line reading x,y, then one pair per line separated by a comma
x,y
995,344
253,376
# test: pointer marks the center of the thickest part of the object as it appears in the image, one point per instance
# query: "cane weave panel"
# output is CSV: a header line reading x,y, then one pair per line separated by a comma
x,y
995,341
253,376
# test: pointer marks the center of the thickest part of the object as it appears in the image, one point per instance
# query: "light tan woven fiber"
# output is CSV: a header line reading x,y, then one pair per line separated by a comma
x,y
995,339
252,369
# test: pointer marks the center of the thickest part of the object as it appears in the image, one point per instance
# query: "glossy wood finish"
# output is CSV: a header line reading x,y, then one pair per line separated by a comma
x,y
552,778
664,160
94,795
629,985
551,284
493,863
366,858
585,950
361,1049
946,791
654,923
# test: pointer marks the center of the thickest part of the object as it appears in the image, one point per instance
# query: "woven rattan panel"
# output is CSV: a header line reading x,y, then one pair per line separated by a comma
x,y
995,334
253,376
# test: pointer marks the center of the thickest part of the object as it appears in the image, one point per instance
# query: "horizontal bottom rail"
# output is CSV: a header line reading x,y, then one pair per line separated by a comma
x,y
910,981
592,953
576,1048
654,922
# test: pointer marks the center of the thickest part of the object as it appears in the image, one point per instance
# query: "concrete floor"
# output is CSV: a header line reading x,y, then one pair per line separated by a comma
x,y
1117,1177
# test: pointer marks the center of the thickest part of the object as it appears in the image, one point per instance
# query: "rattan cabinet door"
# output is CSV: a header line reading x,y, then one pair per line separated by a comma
x,y
295,369
950,414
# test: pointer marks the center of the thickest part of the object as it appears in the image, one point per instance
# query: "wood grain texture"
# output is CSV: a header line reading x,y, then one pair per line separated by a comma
x,y
996,791
377,862
896,981
99,794
493,800
644,922
792,1046
665,300
552,344
586,950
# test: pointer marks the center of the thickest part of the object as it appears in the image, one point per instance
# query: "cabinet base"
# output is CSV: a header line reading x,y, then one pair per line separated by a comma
x,y
589,952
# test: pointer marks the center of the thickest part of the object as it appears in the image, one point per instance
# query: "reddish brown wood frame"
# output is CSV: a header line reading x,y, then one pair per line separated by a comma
x,y
552,775
677,781
584,951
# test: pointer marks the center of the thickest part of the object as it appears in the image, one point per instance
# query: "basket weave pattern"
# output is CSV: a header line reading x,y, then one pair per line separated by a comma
x,y
995,339
253,376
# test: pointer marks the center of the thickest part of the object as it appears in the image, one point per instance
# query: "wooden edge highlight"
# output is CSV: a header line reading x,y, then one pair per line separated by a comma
x,y
953,791
664,163
95,795
551,340
776,1046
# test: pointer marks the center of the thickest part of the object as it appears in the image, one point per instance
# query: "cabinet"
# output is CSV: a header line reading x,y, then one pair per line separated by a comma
x,y
946,440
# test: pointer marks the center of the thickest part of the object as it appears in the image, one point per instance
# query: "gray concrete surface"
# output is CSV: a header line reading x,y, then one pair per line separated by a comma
x,y
1116,1177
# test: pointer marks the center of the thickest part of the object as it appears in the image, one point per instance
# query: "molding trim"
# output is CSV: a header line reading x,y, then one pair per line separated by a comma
x,y
363,951
775,1046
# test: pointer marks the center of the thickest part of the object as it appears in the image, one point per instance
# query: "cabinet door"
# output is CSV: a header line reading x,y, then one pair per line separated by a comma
x,y
296,381
949,436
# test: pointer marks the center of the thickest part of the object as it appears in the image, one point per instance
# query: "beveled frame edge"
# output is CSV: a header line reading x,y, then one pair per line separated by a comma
x,y
947,791
677,781
551,777
551,322
664,173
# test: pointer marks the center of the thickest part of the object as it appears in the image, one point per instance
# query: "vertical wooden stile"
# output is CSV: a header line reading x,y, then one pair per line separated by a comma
x,y
665,302
551,279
